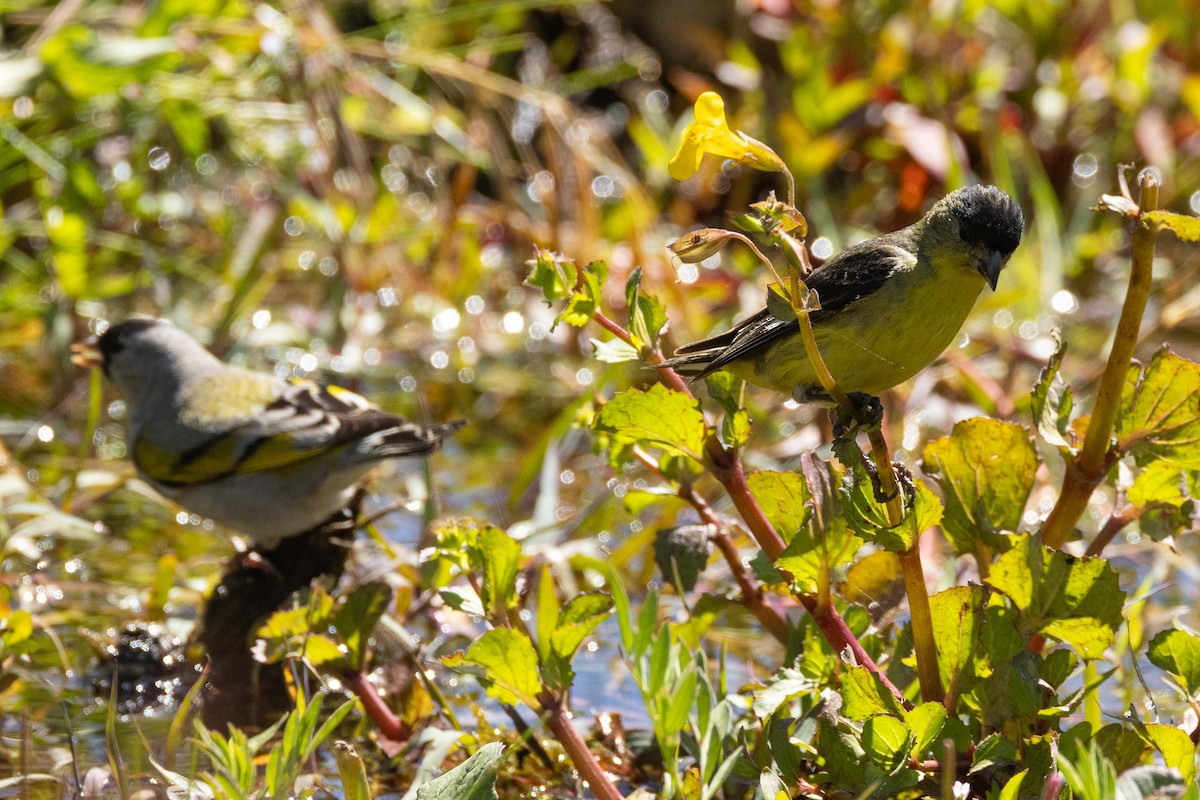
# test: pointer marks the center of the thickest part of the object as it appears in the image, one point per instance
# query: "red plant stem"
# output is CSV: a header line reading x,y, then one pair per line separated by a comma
x,y
726,467
752,593
828,620
559,723
1114,525
384,718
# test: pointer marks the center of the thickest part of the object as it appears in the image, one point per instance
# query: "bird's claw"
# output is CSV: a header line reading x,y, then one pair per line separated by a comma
x,y
866,414
868,408
904,481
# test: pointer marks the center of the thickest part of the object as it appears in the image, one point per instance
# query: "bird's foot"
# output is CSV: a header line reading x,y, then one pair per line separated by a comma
x,y
868,408
866,414
904,481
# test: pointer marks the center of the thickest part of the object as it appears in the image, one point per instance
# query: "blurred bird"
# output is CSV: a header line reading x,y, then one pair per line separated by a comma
x,y
265,456
888,306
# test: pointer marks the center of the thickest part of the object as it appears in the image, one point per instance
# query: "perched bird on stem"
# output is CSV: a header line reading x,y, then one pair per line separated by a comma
x,y
267,457
888,306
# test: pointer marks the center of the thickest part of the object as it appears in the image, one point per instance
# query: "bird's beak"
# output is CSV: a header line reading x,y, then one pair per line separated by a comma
x,y
87,353
990,268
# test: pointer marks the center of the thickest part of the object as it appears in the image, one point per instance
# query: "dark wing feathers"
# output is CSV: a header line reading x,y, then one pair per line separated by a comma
x,y
850,276
409,439
325,417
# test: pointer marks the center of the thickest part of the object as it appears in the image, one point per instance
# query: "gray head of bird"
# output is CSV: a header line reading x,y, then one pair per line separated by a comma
x,y
984,219
144,356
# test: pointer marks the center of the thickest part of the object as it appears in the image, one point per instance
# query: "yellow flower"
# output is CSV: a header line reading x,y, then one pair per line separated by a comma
x,y
710,133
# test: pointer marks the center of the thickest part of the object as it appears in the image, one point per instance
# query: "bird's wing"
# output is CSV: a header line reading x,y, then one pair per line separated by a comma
x,y
302,421
848,277
855,273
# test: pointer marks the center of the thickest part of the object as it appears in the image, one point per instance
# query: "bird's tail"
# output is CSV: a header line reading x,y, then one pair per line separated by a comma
x,y
408,439
697,360
693,366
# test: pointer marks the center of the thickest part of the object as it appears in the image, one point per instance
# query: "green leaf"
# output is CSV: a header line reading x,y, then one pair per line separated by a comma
x,y
1185,227
189,124
614,351
1052,401
15,628
505,663
578,618
864,695
779,306
1124,747
735,428
585,299
1178,652
986,470
474,779
547,612
351,771
1159,482
1175,746
869,517
994,751
925,723
553,273
824,542
356,618
647,316
784,498
877,578
658,417
1074,600
1159,419
90,63
849,769
498,556
813,554
787,682
771,787
886,742
957,613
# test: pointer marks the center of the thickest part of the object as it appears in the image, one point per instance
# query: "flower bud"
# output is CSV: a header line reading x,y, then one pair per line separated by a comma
x,y
694,247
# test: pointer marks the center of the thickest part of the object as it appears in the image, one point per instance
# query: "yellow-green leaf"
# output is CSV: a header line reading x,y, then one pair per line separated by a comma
x,y
957,613
1185,227
1159,417
1075,600
783,497
1178,652
505,663
886,741
986,470
658,417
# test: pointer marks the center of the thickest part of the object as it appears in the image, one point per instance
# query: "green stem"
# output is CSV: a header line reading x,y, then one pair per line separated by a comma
x,y
910,560
1092,464
1092,712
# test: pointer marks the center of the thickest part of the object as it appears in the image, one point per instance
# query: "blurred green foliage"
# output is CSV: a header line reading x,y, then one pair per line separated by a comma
x,y
351,189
